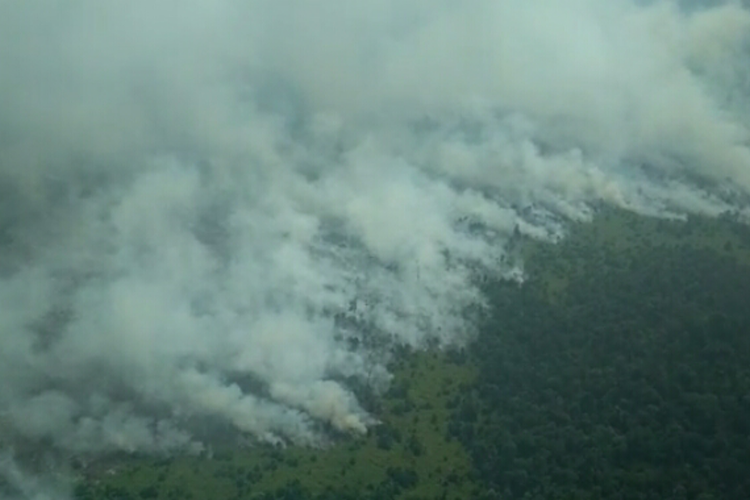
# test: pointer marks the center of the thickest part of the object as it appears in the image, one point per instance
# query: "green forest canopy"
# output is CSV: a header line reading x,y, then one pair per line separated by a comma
x,y
619,370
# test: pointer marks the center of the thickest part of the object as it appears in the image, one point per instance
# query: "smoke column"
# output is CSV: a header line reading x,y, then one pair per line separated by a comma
x,y
227,211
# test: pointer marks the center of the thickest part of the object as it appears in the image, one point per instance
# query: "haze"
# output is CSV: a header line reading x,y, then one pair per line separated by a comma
x,y
203,204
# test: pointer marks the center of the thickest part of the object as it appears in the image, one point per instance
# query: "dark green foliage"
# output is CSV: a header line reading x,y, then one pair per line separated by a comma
x,y
83,491
633,383
414,446
149,492
387,435
402,478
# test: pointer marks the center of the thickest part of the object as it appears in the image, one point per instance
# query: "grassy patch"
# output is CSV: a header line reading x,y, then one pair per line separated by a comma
x,y
411,437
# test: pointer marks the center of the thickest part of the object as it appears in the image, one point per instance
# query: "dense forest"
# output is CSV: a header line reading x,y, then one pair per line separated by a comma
x,y
625,375
619,370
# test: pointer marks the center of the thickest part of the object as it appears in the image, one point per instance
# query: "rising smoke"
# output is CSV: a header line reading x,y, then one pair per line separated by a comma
x,y
227,211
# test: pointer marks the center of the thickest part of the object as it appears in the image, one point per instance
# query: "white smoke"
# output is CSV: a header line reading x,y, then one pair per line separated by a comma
x,y
225,210
17,483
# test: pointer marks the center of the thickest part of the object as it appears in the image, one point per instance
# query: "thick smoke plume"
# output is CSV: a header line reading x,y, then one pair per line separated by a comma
x,y
19,484
227,211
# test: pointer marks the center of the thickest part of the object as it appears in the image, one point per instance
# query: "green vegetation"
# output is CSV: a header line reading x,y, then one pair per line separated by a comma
x,y
619,370
407,456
